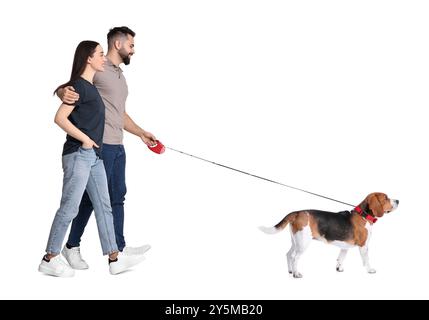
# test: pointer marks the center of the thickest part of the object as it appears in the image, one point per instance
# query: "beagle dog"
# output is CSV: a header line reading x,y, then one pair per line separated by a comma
x,y
344,229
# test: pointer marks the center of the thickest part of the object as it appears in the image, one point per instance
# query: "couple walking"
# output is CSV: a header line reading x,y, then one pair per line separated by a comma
x,y
93,116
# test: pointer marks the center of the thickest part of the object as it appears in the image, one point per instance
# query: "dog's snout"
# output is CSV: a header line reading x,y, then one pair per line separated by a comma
x,y
394,203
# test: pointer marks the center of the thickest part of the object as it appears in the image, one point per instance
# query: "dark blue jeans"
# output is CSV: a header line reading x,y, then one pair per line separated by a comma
x,y
114,162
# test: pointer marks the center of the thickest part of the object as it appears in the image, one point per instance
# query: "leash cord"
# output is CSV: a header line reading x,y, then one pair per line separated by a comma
x,y
259,177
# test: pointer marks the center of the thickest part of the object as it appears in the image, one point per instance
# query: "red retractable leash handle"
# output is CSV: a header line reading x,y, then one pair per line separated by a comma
x,y
157,148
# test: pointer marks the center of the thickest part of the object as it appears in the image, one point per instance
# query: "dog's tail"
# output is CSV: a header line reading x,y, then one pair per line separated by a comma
x,y
281,225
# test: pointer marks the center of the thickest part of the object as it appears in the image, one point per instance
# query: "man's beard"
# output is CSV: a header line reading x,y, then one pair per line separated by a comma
x,y
126,58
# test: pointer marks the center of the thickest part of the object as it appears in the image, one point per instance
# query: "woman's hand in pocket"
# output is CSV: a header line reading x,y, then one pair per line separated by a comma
x,y
89,144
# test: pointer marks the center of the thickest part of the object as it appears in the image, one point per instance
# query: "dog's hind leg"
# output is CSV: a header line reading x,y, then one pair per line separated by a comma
x,y
290,256
340,260
300,240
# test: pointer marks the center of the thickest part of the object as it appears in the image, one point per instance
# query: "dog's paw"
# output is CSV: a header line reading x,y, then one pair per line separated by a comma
x,y
297,275
340,269
371,270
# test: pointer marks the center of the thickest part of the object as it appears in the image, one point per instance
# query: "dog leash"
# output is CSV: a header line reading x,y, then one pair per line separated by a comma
x,y
258,177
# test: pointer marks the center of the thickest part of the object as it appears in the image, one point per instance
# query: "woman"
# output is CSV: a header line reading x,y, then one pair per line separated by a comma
x,y
82,165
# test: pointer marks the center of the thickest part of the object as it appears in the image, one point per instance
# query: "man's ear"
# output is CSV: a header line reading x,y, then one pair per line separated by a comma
x,y
118,44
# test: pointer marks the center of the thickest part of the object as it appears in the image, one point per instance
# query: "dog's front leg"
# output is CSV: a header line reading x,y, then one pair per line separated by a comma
x,y
365,259
340,260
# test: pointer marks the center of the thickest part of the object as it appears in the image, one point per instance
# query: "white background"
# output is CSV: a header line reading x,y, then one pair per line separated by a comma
x,y
329,96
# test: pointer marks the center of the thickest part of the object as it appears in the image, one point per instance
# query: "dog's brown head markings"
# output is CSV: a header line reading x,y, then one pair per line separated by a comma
x,y
378,204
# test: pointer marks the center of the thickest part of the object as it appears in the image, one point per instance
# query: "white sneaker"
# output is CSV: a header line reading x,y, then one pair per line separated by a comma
x,y
136,250
56,267
124,262
74,258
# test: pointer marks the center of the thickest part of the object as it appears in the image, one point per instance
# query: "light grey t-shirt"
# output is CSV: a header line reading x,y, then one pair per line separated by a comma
x,y
112,86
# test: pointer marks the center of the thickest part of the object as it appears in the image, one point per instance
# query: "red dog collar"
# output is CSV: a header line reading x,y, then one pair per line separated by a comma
x,y
365,215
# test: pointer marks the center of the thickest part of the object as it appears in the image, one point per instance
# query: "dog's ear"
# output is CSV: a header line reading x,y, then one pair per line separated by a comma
x,y
375,205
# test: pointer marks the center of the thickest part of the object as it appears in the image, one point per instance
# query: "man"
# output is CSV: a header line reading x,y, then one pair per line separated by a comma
x,y
113,90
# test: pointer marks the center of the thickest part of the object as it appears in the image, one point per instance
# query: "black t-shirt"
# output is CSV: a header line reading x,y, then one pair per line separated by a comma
x,y
87,116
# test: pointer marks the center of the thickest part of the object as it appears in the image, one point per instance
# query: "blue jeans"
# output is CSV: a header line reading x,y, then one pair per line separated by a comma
x,y
83,170
114,162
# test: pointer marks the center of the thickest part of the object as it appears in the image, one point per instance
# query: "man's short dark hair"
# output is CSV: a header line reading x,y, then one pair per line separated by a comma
x,y
119,31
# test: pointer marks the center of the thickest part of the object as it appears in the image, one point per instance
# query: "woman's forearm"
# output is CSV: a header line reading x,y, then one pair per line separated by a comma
x,y
61,119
